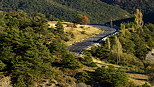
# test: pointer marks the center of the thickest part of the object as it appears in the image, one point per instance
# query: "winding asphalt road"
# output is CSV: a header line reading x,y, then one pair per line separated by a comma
x,y
79,47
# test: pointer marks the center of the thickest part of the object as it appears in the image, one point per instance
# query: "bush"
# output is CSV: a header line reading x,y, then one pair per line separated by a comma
x,y
71,25
82,32
146,85
2,65
69,61
72,35
105,76
66,39
87,59
110,77
83,77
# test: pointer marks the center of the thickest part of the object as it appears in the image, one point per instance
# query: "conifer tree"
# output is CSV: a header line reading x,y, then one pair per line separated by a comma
x,y
138,18
59,27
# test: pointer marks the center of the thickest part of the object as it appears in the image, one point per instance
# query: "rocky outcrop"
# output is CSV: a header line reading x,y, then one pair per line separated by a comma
x,y
5,81
80,85
150,56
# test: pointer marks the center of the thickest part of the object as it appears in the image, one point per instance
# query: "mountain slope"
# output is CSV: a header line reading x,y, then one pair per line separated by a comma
x,y
147,7
97,11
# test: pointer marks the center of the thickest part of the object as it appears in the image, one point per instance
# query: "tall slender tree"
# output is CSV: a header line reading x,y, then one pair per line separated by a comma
x,y
123,29
108,43
117,49
138,18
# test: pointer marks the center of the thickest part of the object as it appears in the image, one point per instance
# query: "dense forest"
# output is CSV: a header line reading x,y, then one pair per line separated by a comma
x,y
31,53
97,11
29,48
147,7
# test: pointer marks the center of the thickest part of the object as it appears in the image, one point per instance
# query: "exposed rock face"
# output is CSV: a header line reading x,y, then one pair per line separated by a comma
x,y
150,56
5,81
80,85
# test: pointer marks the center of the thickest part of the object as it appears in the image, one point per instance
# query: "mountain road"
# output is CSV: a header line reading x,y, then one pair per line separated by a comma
x,y
79,47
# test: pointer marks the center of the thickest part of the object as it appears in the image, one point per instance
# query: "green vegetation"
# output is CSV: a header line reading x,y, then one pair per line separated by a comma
x,y
31,52
95,10
147,7
81,19
75,32
59,27
106,76
29,49
129,47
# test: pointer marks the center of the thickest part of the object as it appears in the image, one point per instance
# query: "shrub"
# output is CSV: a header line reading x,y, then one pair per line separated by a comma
x,y
87,59
69,61
146,85
72,35
82,32
83,77
110,77
2,65
71,25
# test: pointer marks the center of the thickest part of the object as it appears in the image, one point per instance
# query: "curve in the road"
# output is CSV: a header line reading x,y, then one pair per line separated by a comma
x,y
79,47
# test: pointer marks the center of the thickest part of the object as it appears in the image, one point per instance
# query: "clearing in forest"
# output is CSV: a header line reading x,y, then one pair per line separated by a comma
x,y
76,32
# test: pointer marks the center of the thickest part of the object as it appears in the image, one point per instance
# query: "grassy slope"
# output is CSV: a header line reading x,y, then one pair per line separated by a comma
x,y
80,32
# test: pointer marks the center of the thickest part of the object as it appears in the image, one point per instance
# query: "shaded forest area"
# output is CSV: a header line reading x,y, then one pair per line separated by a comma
x,y
146,6
95,10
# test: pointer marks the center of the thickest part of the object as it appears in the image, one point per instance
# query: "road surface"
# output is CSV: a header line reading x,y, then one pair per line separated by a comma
x,y
79,47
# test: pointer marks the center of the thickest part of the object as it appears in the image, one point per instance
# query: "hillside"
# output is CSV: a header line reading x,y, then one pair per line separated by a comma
x,y
33,54
97,11
147,7
76,32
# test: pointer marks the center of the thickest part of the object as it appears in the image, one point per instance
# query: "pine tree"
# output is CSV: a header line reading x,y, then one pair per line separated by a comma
x,y
59,27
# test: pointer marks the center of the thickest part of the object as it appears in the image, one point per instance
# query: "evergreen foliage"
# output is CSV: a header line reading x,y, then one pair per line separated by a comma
x,y
95,10
146,6
59,27
129,47
29,48
2,65
110,77
81,19
138,18
104,76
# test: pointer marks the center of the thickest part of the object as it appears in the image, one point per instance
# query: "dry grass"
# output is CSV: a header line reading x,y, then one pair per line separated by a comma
x,y
76,32
138,82
102,63
139,76
138,79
